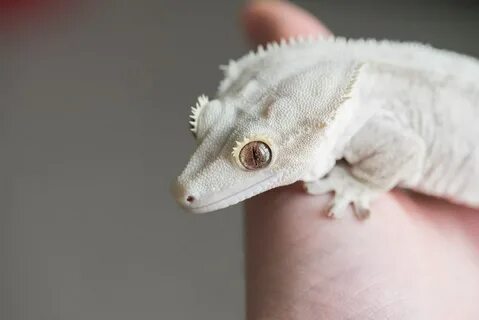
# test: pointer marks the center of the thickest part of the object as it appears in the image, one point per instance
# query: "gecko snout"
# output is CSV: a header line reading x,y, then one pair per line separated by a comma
x,y
182,195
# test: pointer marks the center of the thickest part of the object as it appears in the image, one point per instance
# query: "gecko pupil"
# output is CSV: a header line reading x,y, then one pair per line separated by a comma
x,y
255,155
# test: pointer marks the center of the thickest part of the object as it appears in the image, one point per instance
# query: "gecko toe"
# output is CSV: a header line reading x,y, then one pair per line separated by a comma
x,y
361,212
338,208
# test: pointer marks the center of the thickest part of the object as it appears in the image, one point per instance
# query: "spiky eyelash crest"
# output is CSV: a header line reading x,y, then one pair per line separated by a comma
x,y
195,113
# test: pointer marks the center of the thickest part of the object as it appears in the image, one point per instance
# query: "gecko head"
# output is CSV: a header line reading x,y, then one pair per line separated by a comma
x,y
242,152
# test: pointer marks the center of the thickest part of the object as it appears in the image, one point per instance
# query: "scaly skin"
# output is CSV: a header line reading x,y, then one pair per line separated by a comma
x,y
441,110
382,106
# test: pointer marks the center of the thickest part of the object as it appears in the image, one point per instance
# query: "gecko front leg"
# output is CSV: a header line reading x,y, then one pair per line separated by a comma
x,y
347,190
380,156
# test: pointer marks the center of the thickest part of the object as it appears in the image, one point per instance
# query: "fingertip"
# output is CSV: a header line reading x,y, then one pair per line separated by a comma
x,y
266,21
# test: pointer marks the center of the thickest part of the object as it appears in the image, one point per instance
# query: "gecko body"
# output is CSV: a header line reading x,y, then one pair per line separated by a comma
x,y
357,117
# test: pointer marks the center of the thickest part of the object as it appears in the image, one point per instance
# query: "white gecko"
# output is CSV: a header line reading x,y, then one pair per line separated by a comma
x,y
356,117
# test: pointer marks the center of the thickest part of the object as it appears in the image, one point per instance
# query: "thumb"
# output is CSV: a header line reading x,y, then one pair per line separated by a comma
x,y
266,21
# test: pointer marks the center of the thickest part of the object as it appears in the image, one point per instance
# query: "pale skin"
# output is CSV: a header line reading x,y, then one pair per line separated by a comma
x,y
415,258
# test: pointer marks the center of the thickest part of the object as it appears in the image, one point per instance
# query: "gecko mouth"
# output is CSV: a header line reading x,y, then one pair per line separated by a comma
x,y
231,199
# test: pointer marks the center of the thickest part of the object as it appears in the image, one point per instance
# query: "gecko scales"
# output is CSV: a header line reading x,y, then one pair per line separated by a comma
x,y
356,117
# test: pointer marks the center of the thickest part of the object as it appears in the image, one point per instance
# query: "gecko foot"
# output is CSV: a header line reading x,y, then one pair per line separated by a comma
x,y
347,190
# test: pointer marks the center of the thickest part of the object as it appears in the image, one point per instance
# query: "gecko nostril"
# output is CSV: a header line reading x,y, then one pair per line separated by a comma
x,y
190,199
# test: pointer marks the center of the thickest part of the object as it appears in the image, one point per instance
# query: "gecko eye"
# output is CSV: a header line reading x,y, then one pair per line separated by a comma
x,y
255,155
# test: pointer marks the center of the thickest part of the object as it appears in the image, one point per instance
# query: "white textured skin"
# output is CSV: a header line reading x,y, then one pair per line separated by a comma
x,y
398,114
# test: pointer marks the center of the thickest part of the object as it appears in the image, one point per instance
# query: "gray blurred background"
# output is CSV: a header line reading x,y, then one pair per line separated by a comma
x,y
94,107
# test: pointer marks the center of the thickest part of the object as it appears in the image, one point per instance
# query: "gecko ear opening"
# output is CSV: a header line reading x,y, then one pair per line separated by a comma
x,y
203,115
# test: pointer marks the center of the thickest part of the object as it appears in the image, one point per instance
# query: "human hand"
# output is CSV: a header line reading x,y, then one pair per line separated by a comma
x,y
415,258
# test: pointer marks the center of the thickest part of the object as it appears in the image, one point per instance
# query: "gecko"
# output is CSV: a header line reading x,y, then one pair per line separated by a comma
x,y
355,117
